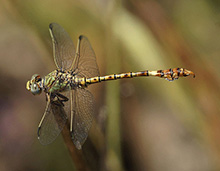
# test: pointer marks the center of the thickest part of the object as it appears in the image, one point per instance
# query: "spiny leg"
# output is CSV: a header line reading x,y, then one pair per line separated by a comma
x,y
61,98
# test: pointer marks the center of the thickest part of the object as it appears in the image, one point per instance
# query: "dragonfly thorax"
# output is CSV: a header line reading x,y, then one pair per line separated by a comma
x,y
60,81
54,82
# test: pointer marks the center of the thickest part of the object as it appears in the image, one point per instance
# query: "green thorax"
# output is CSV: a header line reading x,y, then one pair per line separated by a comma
x,y
57,81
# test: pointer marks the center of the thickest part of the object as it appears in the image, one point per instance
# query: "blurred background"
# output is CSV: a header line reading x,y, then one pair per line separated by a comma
x,y
147,123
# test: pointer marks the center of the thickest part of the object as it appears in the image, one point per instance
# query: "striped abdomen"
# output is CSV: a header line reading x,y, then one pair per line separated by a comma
x,y
169,74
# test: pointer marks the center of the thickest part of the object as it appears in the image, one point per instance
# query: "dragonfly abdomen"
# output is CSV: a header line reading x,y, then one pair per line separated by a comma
x,y
168,74
110,77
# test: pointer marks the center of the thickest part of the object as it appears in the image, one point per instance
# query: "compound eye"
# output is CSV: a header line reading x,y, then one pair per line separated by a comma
x,y
36,77
35,89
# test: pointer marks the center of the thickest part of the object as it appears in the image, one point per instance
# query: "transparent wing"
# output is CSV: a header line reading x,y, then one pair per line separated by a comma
x,y
83,109
85,63
63,47
53,123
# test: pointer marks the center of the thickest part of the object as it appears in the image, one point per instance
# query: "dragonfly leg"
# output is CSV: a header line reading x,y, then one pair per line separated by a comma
x,y
64,98
42,119
58,99
71,124
71,114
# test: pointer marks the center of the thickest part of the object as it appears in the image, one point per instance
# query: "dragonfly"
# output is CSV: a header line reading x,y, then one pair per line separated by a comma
x,y
67,96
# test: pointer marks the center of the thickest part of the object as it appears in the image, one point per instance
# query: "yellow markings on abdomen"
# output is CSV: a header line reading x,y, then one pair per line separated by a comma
x,y
169,74
110,77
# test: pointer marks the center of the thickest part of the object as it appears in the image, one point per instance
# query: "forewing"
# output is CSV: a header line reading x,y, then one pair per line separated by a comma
x,y
53,123
83,116
85,62
63,47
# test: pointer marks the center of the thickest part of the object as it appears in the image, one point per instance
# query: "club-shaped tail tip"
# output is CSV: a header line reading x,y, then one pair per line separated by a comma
x,y
193,74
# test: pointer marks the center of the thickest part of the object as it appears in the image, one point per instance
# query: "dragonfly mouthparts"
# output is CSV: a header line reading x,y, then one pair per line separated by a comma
x,y
28,86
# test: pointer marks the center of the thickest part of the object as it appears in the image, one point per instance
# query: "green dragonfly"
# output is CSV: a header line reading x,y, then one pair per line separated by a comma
x,y
65,88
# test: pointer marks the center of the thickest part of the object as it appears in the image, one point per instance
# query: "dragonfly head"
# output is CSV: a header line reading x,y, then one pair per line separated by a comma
x,y
34,85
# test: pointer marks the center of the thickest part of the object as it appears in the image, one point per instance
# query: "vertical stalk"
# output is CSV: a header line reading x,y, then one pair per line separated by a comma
x,y
114,158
